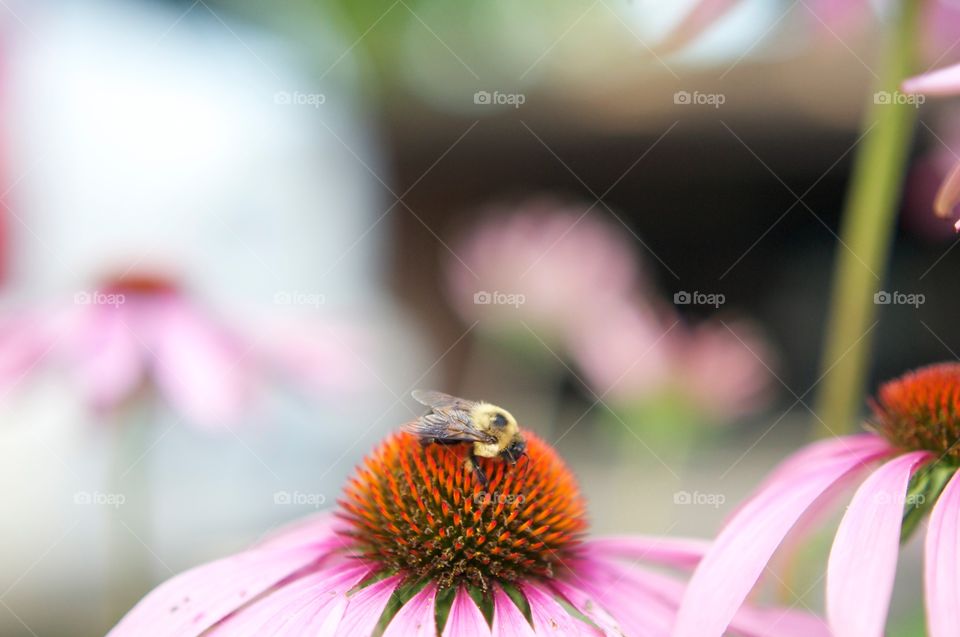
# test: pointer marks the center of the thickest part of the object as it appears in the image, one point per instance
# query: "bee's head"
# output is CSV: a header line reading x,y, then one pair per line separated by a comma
x,y
515,450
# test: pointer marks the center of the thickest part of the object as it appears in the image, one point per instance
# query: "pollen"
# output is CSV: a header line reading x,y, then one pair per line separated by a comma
x,y
418,510
921,410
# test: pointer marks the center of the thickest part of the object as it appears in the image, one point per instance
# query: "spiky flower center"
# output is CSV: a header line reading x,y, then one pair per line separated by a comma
x,y
921,410
418,510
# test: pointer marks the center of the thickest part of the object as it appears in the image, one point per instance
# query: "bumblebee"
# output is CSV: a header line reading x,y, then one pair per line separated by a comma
x,y
492,431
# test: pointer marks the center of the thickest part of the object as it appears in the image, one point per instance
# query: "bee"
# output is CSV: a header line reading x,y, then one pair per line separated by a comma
x,y
492,431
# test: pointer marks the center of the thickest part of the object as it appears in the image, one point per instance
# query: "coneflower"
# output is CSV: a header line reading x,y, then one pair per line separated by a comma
x,y
418,547
911,457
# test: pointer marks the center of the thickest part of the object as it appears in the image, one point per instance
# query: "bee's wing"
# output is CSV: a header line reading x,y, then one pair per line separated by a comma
x,y
440,402
449,419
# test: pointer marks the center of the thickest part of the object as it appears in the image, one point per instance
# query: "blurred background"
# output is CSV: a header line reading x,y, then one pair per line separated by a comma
x,y
235,235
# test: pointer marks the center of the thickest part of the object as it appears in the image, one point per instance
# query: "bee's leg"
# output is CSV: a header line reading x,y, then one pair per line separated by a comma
x,y
471,465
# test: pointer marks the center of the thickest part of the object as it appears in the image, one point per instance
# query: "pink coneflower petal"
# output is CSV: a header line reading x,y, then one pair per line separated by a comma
x,y
549,617
365,607
945,81
198,368
192,602
675,552
778,622
735,561
108,361
586,605
301,607
942,563
948,195
416,617
508,621
465,618
314,529
863,559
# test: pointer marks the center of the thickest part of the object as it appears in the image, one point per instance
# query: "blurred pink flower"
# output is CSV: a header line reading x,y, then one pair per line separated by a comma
x,y
631,357
114,341
638,354
725,368
549,265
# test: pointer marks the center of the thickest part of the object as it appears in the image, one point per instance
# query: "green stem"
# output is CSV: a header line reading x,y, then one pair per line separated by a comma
x,y
866,230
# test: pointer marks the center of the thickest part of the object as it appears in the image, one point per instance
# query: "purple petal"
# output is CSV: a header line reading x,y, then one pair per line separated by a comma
x,y
676,552
584,603
508,621
416,617
863,559
192,602
942,563
319,528
778,622
299,607
737,557
198,366
107,357
365,607
643,602
549,617
945,81
465,619
948,195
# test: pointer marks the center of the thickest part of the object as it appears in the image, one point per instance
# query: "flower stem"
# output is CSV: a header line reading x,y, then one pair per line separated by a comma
x,y
866,230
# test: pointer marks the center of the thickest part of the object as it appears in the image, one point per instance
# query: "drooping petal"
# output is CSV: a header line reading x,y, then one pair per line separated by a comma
x,y
737,557
416,617
319,528
199,368
192,602
106,355
297,607
945,81
508,621
675,552
778,622
948,195
365,607
863,559
942,563
549,617
643,602
465,618
584,603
